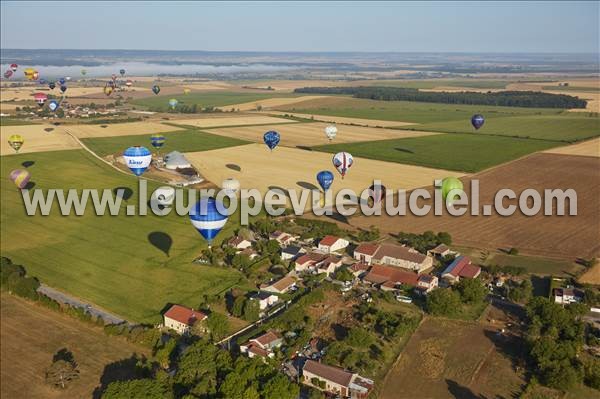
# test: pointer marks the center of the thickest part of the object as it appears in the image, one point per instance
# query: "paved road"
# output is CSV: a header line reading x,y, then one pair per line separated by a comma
x,y
61,297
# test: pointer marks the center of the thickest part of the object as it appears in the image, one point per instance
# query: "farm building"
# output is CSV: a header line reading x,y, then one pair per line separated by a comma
x,y
239,242
290,252
393,255
265,299
262,346
364,252
182,319
359,269
565,296
426,283
335,380
440,251
281,286
282,238
389,277
460,267
331,244
318,262
176,160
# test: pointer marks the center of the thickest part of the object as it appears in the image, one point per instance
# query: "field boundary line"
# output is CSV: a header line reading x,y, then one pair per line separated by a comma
x,y
480,365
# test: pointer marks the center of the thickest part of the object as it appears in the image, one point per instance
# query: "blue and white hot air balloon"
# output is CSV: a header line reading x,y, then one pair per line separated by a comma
x,y
53,105
271,139
137,159
62,81
325,179
477,121
207,219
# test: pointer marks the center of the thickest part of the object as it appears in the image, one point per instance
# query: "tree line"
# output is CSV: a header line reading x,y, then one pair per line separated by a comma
x,y
527,99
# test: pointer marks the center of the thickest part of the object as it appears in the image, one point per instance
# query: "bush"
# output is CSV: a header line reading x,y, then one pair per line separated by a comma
x,y
443,302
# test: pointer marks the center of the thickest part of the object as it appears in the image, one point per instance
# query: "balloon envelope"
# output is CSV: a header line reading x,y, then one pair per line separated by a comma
x,y
51,85
137,159
14,67
8,74
207,219
451,183
271,139
62,81
53,105
129,83
20,177
16,141
331,132
173,103
157,140
122,72
63,88
477,121
156,89
377,192
40,98
230,186
108,90
325,179
342,162
83,72
186,91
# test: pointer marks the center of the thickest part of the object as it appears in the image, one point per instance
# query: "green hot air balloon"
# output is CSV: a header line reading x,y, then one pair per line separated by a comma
x,y
449,184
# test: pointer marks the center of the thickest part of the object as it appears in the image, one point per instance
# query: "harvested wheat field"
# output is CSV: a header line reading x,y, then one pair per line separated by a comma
x,y
291,85
38,138
120,129
208,86
590,148
271,103
257,167
565,237
435,364
312,134
592,276
32,334
344,120
216,121
26,93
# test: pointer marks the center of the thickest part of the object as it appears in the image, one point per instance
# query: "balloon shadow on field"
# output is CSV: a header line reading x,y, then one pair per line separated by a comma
x,y
303,147
278,189
48,129
30,185
27,164
233,166
123,192
404,150
307,185
161,240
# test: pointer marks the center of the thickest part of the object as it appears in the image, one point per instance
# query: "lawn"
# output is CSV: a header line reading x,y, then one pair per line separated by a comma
x,y
570,128
203,100
460,152
107,260
190,140
405,111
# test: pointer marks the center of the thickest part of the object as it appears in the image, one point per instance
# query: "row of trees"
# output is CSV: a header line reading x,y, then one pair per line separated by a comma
x,y
426,241
528,99
449,301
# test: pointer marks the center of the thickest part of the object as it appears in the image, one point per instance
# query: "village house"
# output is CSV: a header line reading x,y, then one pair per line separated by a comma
x,y
291,252
262,346
308,261
249,252
566,296
390,278
329,265
265,299
440,251
281,286
182,319
359,269
335,380
239,242
460,267
426,283
284,239
331,244
393,255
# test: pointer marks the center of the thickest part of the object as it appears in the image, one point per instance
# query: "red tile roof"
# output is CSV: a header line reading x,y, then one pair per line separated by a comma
x,y
462,267
257,350
359,267
382,273
367,249
184,315
330,373
329,240
399,252
310,257
266,338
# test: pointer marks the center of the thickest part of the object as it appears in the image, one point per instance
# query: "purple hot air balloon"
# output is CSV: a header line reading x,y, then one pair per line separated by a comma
x,y
20,177
477,121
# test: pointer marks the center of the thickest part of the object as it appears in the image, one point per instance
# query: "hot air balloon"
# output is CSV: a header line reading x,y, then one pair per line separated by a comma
x,y
35,75
271,139
62,81
325,179
51,85
157,140
331,132
186,91
448,184
63,88
108,90
156,89
8,74
20,177
83,72
342,162
68,78
122,72
113,77
16,142
137,159
14,67
230,186
477,121
42,81
30,73
207,219
173,103
164,195
377,192
40,98
129,83
53,105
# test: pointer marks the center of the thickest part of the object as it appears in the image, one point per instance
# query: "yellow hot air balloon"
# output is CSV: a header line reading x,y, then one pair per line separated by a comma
x,y
187,91
16,142
30,73
108,90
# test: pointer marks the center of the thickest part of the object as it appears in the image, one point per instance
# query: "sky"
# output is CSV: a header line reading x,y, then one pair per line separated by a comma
x,y
565,27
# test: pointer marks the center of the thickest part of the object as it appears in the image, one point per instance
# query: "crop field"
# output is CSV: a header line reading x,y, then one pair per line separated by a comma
x,y
37,138
120,129
404,111
345,120
592,276
570,127
304,135
257,167
220,121
32,334
590,148
461,152
182,141
130,265
436,364
565,237
268,103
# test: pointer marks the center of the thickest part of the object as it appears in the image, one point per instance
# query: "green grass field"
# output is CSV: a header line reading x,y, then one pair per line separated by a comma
x,y
15,122
460,152
405,111
107,260
569,128
190,140
214,99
